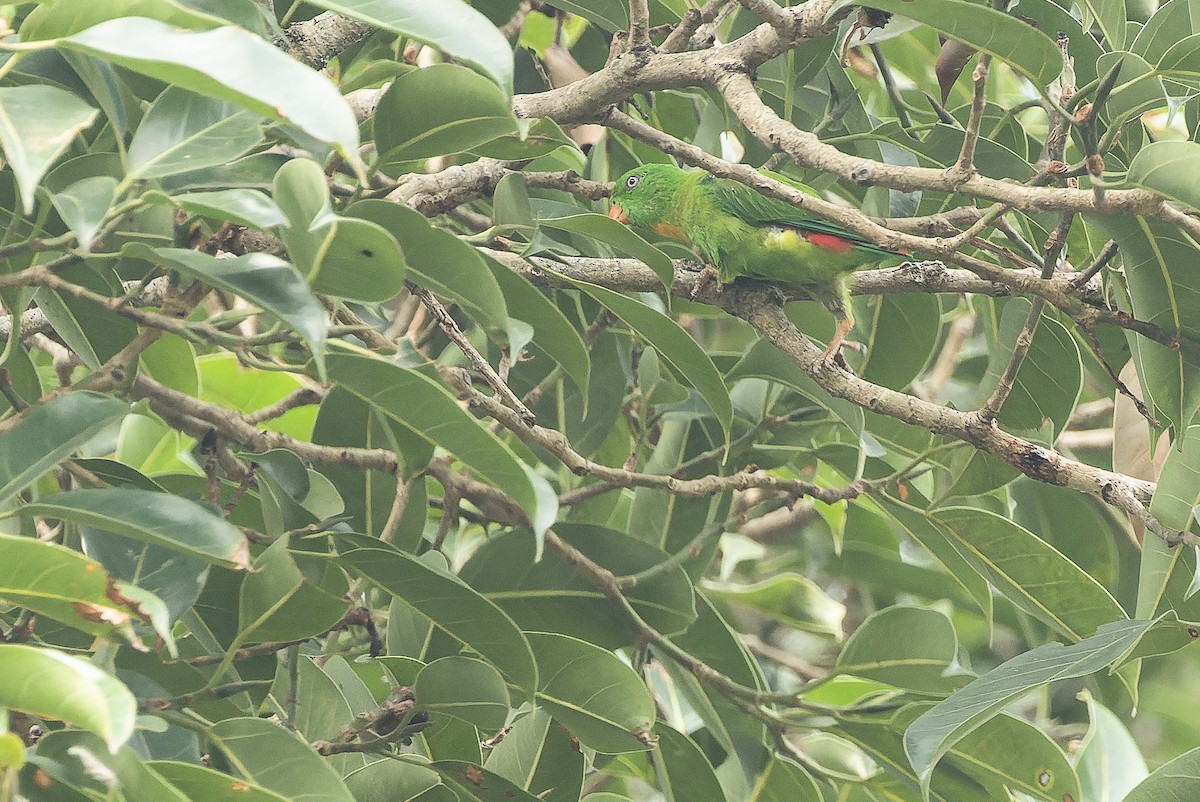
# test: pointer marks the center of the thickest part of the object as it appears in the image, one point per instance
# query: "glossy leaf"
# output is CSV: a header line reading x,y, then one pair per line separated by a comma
x,y
550,596
907,647
1029,51
1177,778
452,607
1108,761
938,729
247,207
186,131
789,599
622,238
1030,572
168,520
592,693
277,760
466,688
227,64
540,757
84,206
260,278
451,26
429,411
57,686
37,123
459,111
200,782
673,344
278,602
48,433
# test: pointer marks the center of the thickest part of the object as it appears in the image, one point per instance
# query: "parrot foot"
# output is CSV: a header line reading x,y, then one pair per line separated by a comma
x,y
707,276
832,355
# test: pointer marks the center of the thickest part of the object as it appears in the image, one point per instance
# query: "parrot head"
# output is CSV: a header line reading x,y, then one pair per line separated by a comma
x,y
646,196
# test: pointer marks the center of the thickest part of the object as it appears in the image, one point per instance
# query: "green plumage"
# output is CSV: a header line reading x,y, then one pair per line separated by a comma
x,y
743,233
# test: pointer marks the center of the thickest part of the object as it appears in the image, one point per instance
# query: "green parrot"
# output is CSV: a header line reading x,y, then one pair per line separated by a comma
x,y
743,233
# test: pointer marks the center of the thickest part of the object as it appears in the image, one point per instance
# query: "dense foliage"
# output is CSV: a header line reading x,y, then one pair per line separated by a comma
x,y
348,451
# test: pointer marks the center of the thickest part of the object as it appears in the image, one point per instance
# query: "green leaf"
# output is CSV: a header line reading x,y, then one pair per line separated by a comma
x,y
1110,19
441,262
1177,494
908,647
1167,168
1109,762
592,693
1176,779
1030,51
460,110
549,595
784,780
171,521
1030,572
540,757
765,361
361,261
84,205
426,408
1156,257
450,25
48,433
903,334
394,780
673,344
260,278
278,602
278,760
247,207
472,783
51,20
200,782
464,687
185,131
228,64
453,607
1048,382
789,599
49,684
685,771
937,730
62,584
622,238
38,123
1009,752
552,332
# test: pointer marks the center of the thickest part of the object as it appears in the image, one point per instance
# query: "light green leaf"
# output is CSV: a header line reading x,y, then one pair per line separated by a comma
x,y
460,110
260,278
48,433
84,205
426,408
790,599
228,64
278,760
52,685
1177,494
622,238
1168,168
38,123
201,782
449,25
908,647
592,693
247,207
929,738
1030,51
453,607
1030,572
673,344
464,687
1176,779
278,602
168,520
1109,761
186,131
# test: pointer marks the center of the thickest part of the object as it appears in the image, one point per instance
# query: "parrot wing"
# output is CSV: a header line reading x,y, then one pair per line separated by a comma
x,y
743,202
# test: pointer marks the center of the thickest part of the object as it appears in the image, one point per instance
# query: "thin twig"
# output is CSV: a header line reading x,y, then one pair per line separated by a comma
x,y
893,91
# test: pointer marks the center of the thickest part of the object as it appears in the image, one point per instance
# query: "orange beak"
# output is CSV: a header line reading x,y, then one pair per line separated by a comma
x,y
618,214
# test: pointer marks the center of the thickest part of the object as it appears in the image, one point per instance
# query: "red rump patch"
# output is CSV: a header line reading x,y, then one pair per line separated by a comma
x,y
830,242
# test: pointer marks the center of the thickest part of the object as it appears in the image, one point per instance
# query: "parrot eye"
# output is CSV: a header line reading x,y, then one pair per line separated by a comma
x,y
632,181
